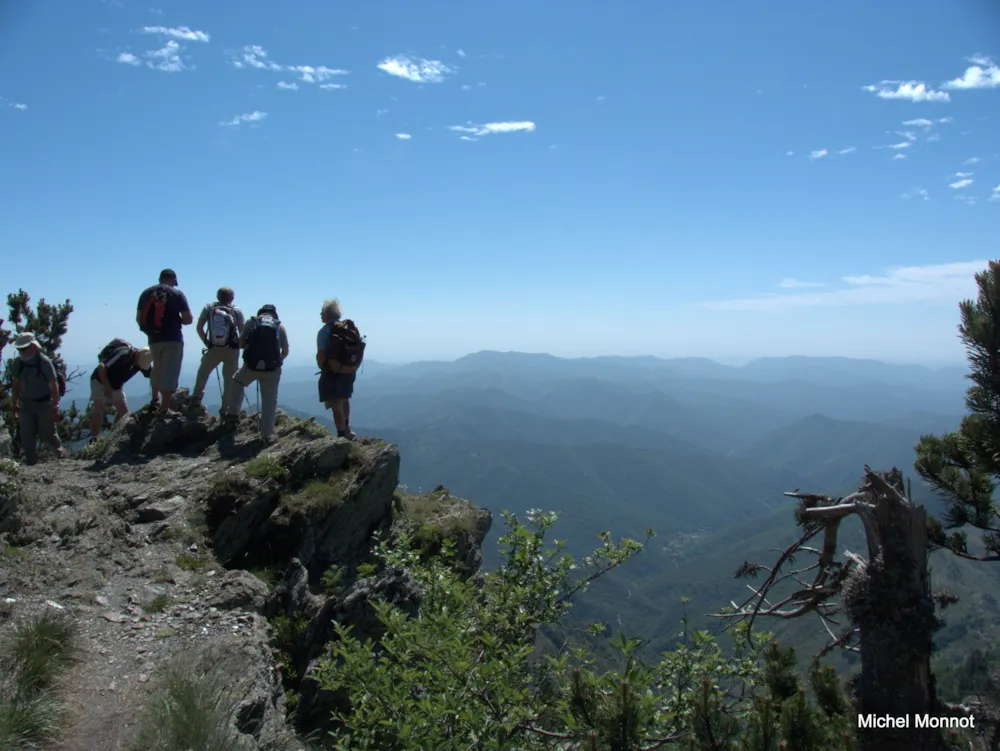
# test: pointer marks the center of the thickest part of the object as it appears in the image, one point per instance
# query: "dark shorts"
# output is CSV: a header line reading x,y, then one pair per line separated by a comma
x,y
336,386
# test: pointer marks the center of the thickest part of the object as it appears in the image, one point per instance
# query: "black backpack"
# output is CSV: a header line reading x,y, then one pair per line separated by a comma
x,y
263,347
346,349
112,348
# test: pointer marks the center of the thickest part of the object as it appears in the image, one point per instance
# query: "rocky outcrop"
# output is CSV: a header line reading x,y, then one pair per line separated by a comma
x,y
161,538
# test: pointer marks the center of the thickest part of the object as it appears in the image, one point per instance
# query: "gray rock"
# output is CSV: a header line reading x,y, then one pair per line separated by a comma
x,y
158,510
239,591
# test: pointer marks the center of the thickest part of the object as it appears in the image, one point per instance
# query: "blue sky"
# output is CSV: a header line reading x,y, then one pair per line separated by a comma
x,y
710,178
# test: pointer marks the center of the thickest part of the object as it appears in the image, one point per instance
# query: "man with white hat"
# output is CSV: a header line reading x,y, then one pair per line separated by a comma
x,y
35,397
116,364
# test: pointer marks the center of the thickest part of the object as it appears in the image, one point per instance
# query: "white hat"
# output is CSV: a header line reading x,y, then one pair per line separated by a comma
x,y
25,340
145,358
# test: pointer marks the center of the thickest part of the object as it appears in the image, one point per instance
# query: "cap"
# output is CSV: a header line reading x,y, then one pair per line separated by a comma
x,y
168,274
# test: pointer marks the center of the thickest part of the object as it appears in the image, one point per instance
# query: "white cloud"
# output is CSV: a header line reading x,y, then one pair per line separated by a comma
x,y
491,128
789,153
946,120
899,286
128,58
909,135
899,157
255,56
331,86
965,198
917,193
959,184
403,136
461,53
415,69
818,154
180,32
934,137
996,194
972,160
791,283
250,117
848,150
914,91
963,174
167,58
288,86
920,122
982,74
900,145
15,105
156,11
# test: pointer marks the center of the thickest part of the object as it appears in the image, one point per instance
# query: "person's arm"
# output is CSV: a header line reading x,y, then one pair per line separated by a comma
x,y
283,340
240,320
138,309
50,375
322,341
202,322
187,317
243,335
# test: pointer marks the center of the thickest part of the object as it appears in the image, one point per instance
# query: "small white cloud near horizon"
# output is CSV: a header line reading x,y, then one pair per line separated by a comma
x,y
288,86
913,91
415,69
959,184
250,117
818,154
492,128
982,74
792,283
403,136
180,32
899,286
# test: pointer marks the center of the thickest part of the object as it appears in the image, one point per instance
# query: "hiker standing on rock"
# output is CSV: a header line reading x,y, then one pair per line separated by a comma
x,y
225,324
163,310
35,393
340,349
117,363
265,346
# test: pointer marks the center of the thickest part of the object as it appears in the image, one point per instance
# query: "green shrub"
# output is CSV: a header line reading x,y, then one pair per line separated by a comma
x,y
263,467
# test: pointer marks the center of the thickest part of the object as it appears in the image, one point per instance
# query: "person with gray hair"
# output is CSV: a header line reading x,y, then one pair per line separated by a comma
x,y
225,324
265,347
339,352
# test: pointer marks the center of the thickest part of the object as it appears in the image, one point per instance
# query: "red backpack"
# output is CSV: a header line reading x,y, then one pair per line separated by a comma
x,y
154,310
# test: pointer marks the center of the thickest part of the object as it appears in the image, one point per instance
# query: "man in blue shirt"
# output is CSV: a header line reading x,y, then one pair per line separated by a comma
x,y
162,311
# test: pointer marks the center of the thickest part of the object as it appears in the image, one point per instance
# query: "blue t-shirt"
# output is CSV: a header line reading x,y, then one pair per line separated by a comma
x,y
177,304
323,337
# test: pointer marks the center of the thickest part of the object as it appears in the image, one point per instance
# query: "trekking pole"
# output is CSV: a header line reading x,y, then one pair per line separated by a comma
x,y
259,433
222,400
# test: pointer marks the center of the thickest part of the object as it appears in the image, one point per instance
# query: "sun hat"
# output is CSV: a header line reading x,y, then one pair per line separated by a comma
x,y
25,340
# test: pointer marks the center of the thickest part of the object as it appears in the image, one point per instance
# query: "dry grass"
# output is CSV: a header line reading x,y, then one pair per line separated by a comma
x,y
438,509
34,656
319,494
188,709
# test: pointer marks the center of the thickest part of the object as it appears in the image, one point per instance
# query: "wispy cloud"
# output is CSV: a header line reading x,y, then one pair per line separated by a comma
x,y
250,117
898,157
900,145
995,196
128,58
156,11
167,58
415,69
19,106
959,184
966,198
934,137
920,122
461,53
899,286
182,33
909,135
476,131
982,74
792,283
818,154
963,174
288,86
255,56
913,91
403,136
917,193
331,86
848,150
972,160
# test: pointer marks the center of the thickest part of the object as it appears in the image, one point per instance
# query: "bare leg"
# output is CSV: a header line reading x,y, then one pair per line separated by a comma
x,y
96,418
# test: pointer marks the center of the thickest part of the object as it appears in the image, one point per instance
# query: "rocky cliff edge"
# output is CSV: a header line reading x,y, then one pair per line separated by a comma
x,y
180,537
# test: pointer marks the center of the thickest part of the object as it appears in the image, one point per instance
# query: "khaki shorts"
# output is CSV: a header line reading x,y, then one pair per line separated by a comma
x,y
97,394
167,359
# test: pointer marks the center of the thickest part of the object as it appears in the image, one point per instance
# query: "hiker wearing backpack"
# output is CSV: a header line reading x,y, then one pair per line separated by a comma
x,y
116,364
265,346
224,322
340,348
35,392
163,310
